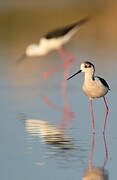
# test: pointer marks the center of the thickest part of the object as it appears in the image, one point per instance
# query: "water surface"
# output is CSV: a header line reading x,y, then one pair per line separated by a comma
x,y
26,100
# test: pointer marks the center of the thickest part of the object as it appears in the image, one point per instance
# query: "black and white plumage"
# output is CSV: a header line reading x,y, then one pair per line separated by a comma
x,y
54,39
93,87
57,33
103,82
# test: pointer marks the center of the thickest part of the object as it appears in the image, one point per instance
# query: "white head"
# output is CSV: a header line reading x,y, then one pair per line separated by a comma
x,y
86,67
37,49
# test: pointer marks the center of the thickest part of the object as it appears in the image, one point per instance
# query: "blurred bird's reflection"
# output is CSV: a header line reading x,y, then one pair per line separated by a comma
x,y
96,173
67,151
49,134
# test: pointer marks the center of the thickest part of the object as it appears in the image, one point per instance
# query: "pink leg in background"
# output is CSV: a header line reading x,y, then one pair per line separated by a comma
x,y
54,69
66,56
50,104
67,64
67,114
56,107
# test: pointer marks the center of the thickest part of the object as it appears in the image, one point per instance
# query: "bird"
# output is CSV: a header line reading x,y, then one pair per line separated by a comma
x,y
93,87
55,40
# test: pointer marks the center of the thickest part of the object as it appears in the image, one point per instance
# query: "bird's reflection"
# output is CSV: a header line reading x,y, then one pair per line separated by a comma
x,y
67,115
59,143
96,173
49,134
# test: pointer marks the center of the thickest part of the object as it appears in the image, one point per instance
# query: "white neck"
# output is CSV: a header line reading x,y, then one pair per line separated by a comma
x,y
89,76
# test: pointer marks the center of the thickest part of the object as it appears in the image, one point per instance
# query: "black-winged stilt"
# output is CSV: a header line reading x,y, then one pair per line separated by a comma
x,y
55,40
93,87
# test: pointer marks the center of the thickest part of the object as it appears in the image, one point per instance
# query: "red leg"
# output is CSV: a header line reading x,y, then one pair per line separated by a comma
x,y
92,116
106,115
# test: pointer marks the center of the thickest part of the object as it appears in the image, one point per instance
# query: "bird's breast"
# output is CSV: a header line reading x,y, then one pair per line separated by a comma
x,y
94,89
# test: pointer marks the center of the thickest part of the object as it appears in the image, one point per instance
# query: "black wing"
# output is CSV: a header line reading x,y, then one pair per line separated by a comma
x,y
103,82
63,31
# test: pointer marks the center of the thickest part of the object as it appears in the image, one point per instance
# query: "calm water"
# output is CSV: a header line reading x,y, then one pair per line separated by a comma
x,y
39,138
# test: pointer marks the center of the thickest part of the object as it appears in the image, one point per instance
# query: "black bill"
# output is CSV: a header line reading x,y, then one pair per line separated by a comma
x,y
74,74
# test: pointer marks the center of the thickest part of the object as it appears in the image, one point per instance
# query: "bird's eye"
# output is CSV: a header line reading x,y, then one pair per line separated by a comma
x,y
87,66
